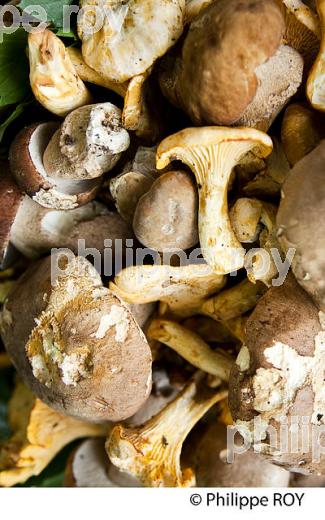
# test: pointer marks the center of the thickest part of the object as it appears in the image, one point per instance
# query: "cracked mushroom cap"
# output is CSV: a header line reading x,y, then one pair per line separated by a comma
x,y
212,153
53,78
78,347
233,68
246,470
278,379
27,167
88,143
315,82
301,131
298,221
166,216
38,435
147,29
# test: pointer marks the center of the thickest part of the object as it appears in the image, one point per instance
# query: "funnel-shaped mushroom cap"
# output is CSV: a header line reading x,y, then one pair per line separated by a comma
x,y
131,37
53,78
212,153
316,79
152,452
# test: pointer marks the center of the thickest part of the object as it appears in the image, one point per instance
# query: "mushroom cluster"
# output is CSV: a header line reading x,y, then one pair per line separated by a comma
x,y
162,288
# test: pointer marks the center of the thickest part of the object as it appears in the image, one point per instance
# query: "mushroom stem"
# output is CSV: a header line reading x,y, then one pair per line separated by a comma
x,y
191,347
152,452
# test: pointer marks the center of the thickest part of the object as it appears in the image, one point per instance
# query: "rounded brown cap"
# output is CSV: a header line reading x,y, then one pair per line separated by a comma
x,y
299,222
216,80
166,216
10,200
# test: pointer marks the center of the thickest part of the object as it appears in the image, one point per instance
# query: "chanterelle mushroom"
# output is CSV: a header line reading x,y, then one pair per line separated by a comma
x,y
276,391
298,221
316,79
147,29
246,470
166,216
38,434
233,68
53,78
212,153
78,347
152,452
88,143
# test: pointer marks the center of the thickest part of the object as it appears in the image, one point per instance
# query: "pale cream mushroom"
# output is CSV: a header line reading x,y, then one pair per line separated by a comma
x,y
152,452
53,78
183,289
301,131
212,153
38,434
191,347
316,78
132,36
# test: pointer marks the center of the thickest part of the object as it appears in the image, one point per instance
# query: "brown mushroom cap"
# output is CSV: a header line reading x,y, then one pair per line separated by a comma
x,y
246,470
166,216
278,376
299,221
10,201
26,163
77,347
224,46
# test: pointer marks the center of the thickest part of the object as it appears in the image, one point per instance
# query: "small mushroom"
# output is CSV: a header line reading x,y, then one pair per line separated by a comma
x,y
183,288
212,153
78,348
27,167
166,215
233,68
278,380
213,331
89,467
191,347
301,131
298,221
246,470
151,453
88,143
53,78
38,435
315,82
147,30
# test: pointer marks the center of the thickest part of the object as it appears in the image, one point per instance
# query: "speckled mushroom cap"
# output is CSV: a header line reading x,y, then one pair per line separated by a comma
x,y
10,200
230,39
299,222
77,347
278,379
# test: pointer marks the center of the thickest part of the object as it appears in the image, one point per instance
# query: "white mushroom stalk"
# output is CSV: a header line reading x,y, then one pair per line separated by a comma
x,y
212,153
316,79
39,433
191,347
183,289
131,38
53,78
152,452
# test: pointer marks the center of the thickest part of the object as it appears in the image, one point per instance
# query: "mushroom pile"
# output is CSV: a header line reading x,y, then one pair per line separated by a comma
x,y
162,272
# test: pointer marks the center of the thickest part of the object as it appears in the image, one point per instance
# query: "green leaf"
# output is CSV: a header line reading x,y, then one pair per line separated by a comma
x,y
14,115
14,69
53,8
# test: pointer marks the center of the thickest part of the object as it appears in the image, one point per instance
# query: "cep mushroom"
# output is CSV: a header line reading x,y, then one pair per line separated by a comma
x,y
151,453
276,388
38,434
212,153
298,221
147,30
166,215
234,68
34,230
53,78
78,347
245,469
